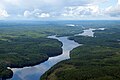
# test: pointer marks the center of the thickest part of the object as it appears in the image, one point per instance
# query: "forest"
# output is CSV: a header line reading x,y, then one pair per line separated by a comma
x,y
21,52
97,59
25,43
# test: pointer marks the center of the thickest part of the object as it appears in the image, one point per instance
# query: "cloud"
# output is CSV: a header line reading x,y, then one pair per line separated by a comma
x,y
113,11
48,5
36,13
81,11
58,8
44,15
118,2
3,13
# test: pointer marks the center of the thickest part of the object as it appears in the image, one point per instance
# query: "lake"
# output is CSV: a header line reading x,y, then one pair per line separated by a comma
x,y
35,72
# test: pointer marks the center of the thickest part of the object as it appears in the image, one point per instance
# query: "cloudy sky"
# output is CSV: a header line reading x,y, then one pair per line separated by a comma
x,y
60,9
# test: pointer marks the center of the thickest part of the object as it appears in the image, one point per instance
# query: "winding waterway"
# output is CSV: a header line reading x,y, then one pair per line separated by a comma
x,y
34,72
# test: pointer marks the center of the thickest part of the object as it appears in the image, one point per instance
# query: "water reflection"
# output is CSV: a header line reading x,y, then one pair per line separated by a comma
x,y
87,32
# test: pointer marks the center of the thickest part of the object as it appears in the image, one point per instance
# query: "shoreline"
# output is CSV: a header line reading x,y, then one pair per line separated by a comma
x,y
29,66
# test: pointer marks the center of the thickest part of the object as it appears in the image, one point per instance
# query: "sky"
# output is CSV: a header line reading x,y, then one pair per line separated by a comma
x,y
60,9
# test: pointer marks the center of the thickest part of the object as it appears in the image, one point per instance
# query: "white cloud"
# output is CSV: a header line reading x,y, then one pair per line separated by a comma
x,y
81,11
45,4
113,11
118,2
44,15
3,13
27,13
36,13
58,8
